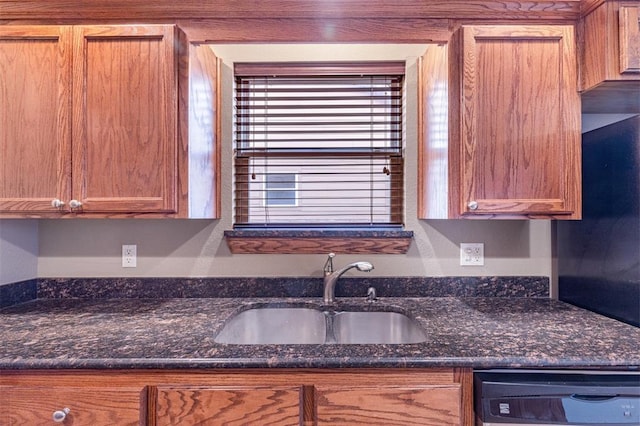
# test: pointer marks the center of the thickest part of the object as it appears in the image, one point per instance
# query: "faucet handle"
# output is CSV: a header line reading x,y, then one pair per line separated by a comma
x,y
328,265
371,294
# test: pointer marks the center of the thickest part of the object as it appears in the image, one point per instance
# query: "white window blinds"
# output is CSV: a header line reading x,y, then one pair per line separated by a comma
x,y
318,144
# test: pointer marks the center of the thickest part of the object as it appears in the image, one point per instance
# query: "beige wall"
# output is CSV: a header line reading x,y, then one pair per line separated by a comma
x,y
196,248
18,250
177,248
183,248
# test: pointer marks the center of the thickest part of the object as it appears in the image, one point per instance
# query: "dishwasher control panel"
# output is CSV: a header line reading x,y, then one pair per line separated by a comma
x,y
557,398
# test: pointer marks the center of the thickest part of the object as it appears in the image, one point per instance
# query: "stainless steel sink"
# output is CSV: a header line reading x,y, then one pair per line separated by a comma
x,y
266,325
376,327
274,326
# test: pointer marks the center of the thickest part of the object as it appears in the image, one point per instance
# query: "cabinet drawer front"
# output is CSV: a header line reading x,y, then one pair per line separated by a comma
x,y
228,406
87,406
425,406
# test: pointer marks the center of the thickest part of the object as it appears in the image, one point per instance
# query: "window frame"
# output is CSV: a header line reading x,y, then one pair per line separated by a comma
x,y
396,183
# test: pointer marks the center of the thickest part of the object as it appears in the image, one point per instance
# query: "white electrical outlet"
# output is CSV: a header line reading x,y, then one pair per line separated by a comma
x,y
471,254
129,256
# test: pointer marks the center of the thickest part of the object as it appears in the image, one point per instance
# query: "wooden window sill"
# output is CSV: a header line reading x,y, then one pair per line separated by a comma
x,y
306,241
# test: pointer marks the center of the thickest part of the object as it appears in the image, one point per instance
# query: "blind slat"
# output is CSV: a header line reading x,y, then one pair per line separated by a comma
x,y
318,69
315,153
298,107
275,116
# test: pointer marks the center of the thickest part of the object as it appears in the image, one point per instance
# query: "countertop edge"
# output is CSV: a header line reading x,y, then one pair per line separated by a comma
x,y
320,364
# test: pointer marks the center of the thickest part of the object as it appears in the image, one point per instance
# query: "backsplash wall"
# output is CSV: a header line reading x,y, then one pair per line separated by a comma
x,y
196,248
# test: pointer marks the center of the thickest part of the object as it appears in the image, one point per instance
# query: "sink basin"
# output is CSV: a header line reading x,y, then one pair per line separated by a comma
x,y
267,325
274,326
376,327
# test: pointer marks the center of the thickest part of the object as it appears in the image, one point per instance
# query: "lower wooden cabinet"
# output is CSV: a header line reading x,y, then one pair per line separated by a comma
x,y
235,405
43,405
388,405
427,397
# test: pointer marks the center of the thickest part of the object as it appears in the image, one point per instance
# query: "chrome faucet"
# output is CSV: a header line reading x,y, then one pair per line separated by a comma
x,y
331,276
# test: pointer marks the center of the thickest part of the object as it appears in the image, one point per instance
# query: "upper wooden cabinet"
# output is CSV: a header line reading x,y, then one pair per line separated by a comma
x,y
609,47
629,19
35,117
199,131
97,134
124,118
513,148
96,121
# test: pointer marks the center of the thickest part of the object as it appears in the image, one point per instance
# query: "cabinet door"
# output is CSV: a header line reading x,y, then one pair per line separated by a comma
x,y
86,406
629,17
124,111
229,405
35,113
388,405
609,43
519,122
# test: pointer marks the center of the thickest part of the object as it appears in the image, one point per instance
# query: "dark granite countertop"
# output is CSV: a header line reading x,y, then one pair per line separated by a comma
x,y
480,332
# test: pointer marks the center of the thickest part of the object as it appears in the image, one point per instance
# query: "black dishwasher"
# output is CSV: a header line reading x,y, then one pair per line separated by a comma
x,y
532,397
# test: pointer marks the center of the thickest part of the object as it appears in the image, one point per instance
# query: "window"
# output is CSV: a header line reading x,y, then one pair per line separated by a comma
x,y
322,139
280,189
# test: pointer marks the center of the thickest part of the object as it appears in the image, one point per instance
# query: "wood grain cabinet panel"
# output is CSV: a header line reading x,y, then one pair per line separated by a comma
x,y
609,54
199,130
86,406
513,148
389,405
35,117
382,396
629,21
232,405
125,112
88,116
520,124
609,40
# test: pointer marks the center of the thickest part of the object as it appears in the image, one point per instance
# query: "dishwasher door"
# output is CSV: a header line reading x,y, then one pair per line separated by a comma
x,y
512,397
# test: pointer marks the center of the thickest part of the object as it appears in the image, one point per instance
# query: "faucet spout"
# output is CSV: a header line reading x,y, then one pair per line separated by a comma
x,y
330,279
